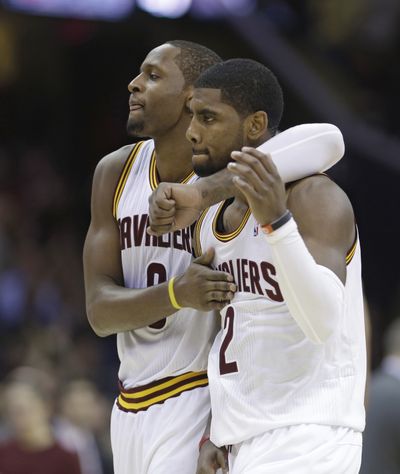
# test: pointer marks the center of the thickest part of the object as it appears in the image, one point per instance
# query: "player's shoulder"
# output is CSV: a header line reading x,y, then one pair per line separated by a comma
x,y
319,198
110,167
108,170
115,161
318,190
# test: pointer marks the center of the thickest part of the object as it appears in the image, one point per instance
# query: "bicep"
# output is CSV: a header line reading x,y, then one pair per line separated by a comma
x,y
101,253
101,256
325,219
327,254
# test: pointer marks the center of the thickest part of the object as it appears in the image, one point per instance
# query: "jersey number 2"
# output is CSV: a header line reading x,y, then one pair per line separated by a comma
x,y
224,366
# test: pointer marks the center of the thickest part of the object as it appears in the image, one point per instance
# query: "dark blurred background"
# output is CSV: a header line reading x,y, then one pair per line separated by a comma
x,y
64,70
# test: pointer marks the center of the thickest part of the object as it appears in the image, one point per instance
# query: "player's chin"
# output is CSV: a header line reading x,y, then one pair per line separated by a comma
x,y
135,128
201,166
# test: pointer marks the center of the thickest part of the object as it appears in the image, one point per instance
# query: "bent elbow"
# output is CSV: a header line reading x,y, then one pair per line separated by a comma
x,y
95,320
336,144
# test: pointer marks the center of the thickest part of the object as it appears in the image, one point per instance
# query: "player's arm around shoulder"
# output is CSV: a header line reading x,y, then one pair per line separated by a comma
x,y
325,220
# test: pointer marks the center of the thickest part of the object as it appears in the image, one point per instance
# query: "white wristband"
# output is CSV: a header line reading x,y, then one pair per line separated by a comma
x,y
312,292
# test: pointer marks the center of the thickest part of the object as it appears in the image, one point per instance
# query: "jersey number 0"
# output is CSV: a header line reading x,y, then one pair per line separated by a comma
x,y
156,271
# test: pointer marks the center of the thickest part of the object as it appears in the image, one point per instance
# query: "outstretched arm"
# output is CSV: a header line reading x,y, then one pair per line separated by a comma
x,y
110,306
297,152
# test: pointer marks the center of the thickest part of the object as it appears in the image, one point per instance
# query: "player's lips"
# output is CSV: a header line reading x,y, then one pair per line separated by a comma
x,y
200,153
135,104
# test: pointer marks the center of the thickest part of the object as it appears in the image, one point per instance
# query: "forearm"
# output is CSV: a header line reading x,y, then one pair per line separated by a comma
x,y
313,293
112,309
298,152
215,188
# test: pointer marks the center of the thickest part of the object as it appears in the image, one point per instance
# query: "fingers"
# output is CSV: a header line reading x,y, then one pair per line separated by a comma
x,y
218,287
161,220
254,167
164,205
202,287
221,460
243,186
211,459
161,210
218,298
206,470
162,197
264,158
213,275
206,258
215,295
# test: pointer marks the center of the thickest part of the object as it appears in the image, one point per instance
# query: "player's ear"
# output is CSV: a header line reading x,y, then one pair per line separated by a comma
x,y
256,125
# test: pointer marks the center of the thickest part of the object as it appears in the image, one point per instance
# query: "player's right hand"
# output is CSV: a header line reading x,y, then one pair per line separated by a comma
x,y
203,288
173,206
211,459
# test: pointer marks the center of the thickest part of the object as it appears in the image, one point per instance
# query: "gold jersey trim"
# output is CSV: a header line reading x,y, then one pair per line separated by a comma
x,y
231,235
124,176
154,393
196,234
154,181
352,251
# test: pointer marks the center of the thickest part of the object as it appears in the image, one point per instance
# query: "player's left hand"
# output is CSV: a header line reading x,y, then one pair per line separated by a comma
x,y
257,177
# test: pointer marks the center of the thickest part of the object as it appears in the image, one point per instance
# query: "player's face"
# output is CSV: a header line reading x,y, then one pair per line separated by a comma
x,y
215,131
158,94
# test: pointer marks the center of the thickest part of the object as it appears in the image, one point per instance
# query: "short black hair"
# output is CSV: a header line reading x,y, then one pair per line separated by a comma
x,y
248,86
193,59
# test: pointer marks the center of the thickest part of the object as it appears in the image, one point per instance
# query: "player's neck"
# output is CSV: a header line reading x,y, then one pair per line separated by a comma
x,y
234,214
173,158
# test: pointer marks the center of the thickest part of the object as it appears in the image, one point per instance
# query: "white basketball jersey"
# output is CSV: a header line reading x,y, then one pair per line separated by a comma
x,y
263,372
179,343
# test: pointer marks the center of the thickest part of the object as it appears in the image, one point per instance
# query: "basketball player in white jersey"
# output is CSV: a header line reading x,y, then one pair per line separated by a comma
x,y
287,369
133,280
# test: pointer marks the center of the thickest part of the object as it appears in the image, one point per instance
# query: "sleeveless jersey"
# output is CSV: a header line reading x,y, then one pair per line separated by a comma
x,y
179,343
263,372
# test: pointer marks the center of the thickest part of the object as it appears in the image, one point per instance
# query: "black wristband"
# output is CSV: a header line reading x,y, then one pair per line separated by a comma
x,y
268,228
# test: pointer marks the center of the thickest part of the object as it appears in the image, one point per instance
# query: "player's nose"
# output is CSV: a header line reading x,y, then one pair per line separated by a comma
x,y
135,85
192,134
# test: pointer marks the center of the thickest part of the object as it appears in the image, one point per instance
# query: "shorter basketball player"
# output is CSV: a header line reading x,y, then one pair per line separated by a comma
x,y
287,369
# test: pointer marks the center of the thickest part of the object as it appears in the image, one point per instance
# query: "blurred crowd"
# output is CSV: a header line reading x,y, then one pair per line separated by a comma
x,y
354,44
57,379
